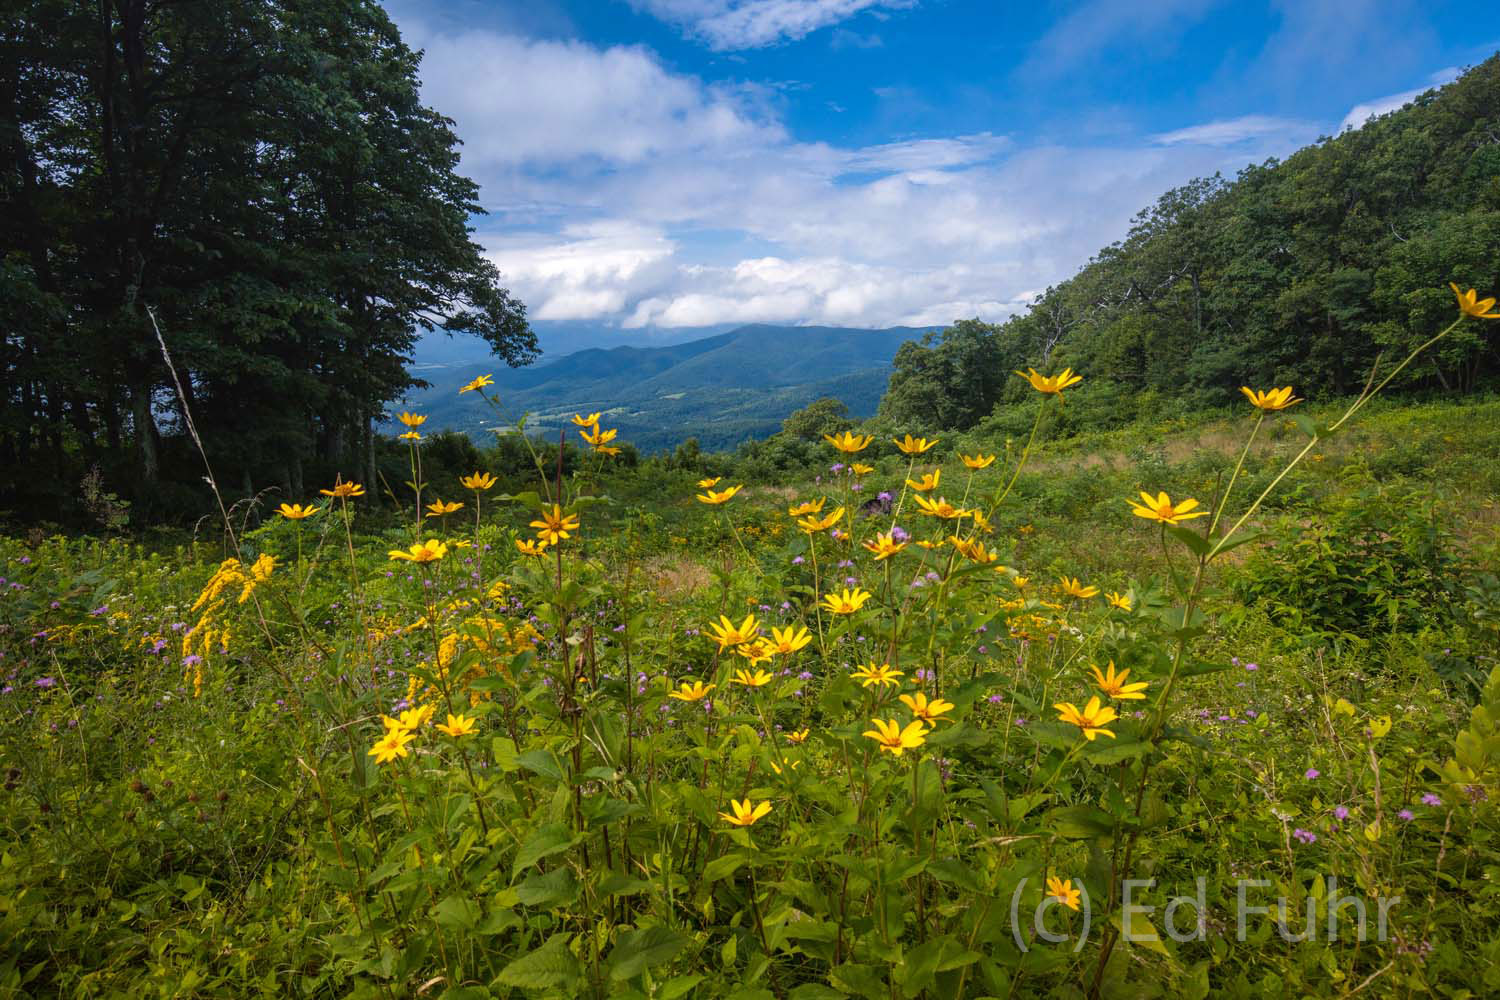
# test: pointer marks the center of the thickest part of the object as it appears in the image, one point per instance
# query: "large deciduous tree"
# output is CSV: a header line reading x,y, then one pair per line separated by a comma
x,y
264,179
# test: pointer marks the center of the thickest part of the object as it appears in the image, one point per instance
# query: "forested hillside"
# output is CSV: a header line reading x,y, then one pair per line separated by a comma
x,y
264,179
1301,271
720,390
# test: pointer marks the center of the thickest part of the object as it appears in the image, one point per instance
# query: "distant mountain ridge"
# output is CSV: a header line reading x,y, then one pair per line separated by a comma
x,y
721,389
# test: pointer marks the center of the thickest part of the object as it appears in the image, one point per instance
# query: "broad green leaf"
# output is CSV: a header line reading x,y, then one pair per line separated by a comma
x,y
552,966
555,887
723,867
456,913
1194,542
554,838
541,762
637,950
1079,822
1141,932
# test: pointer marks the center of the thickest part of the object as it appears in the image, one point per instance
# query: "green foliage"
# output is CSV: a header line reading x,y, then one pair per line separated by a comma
x,y
261,180
1369,562
1300,272
822,416
238,838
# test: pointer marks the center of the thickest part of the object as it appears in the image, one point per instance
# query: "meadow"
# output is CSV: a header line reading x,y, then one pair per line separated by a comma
x,y
957,716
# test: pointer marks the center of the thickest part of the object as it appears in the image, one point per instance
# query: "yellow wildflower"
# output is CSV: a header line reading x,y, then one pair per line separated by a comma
x,y
696,691
755,652
391,746
797,736
527,547
1062,890
877,676
708,484
727,634
922,708
1470,303
477,384
848,442
940,508
893,739
807,507
438,508
914,446
758,679
553,526
973,548
927,482
1120,601
785,641
977,461
296,512
884,546
1271,400
745,813
1162,509
1052,385
479,481
812,525
598,437
1074,587
715,498
1091,719
458,725
592,420
343,490
847,602
1113,684
425,552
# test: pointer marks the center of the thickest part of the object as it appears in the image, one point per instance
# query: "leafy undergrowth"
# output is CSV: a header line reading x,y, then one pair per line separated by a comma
x,y
699,742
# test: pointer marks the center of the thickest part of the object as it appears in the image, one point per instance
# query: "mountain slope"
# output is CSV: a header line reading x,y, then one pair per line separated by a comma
x,y
721,389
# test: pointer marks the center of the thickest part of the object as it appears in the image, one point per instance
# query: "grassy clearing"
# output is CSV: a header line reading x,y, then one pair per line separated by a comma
x,y
226,776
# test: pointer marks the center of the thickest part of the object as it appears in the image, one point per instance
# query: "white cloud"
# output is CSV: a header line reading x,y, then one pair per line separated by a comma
x,y
727,25
627,194
1231,131
524,102
1361,113
589,274
925,154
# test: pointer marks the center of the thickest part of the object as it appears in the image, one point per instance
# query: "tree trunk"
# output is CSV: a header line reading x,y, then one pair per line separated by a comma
x,y
147,453
368,433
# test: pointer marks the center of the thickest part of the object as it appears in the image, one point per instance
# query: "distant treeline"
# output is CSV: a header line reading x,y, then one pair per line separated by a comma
x,y
1302,272
263,178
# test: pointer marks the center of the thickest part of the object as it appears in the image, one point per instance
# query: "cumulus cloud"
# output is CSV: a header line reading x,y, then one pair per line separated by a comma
x,y
727,25
625,193
588,272
528,102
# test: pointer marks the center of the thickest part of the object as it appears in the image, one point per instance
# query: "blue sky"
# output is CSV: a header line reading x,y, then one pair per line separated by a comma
x,y
654,166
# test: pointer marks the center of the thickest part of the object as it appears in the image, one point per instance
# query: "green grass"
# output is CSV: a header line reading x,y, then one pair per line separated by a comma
x,y
243,842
